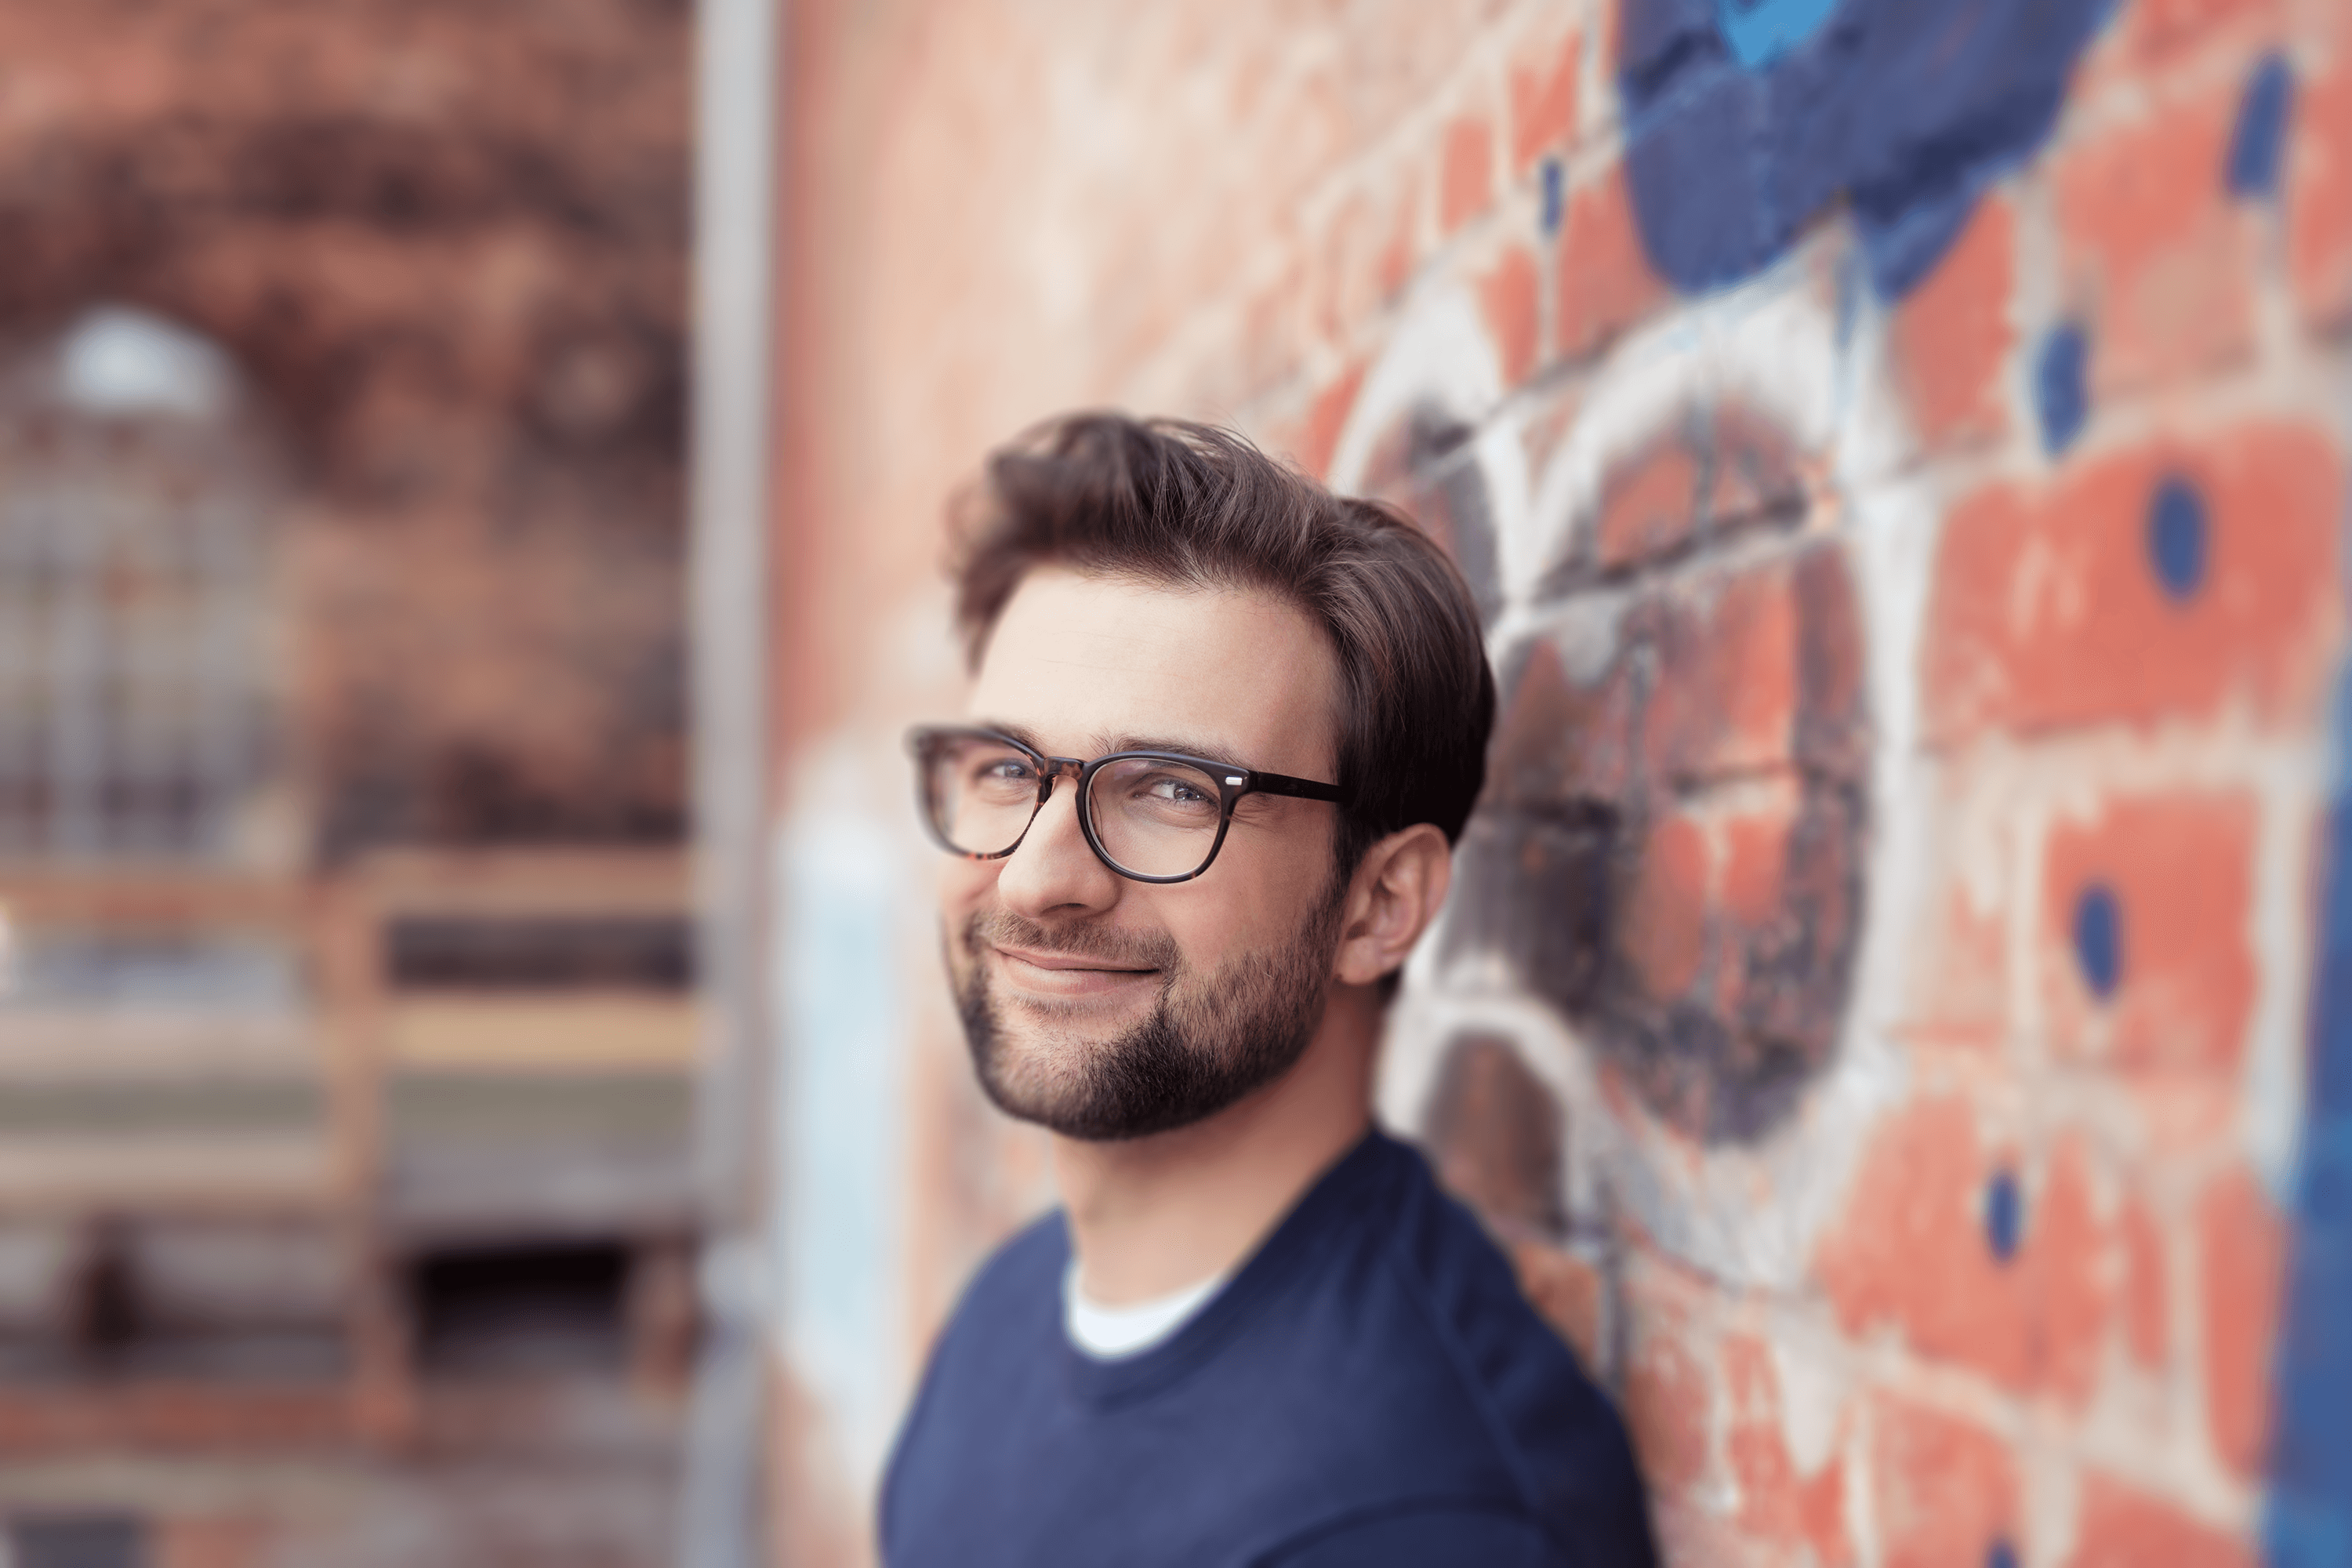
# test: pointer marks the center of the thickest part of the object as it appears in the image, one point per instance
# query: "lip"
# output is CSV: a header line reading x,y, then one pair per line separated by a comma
x,y
1065,973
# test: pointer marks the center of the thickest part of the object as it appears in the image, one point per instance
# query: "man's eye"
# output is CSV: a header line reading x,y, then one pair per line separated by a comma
x,y
1010,770
1176,792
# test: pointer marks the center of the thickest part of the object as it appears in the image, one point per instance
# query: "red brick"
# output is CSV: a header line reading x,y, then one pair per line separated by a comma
x,y
1777,1504
2118,1527
1911,1252
1543,99
1725,697
2068,1257
211,1543
1605,282
1668,1401
2242,1258
1954,335
1466,184
1664,931
2157,30
2180,867
1943,1491
1755,858
2047,611
1507,298
1401,251
1650,504
2319,196
1565,1291
1559,739
1310,442
2146,1318
1960,989
2152,250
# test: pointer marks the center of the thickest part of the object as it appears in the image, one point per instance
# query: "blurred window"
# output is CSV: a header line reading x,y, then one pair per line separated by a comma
x,y
134,667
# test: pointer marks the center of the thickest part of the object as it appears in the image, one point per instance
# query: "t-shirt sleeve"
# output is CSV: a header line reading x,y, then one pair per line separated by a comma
x,y
1426,1538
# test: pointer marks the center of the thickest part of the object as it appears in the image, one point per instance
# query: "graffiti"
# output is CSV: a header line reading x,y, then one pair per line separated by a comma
x,y
1746,120
2310,1514
1669,855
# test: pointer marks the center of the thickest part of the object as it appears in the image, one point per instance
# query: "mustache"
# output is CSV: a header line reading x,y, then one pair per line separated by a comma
x,y
1077,939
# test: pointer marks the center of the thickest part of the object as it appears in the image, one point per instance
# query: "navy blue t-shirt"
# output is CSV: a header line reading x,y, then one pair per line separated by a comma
x,y
1370,1390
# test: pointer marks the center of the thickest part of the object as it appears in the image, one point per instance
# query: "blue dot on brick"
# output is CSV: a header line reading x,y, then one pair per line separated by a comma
x,y
2175,537
2099,939
2002,1555
2004,1215
1555,195
2260,136
2059,395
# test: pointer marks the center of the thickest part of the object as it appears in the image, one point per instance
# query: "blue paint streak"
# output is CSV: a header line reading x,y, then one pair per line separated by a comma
x,y
2005,1215
2001,1555
2099,939
2309,1521
1555,195
1907,112
2176,538
2258,139
2062,397
1762,31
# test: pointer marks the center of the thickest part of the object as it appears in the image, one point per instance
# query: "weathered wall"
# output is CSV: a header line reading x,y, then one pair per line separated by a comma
x,y
448,246
1887,1004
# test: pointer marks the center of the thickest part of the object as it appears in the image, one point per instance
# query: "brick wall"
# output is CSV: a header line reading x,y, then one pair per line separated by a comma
x,y
1902,460
448,251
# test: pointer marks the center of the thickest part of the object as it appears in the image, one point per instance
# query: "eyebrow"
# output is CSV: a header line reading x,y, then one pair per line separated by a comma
x,y
1207,750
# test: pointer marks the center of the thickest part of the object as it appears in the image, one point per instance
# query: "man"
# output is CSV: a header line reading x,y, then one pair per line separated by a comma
x,y
1224,730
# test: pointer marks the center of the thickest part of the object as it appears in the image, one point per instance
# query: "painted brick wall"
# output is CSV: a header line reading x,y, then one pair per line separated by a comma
x,y
1891,1006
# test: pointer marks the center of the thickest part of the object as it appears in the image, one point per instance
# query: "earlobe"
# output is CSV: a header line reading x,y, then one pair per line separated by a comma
x,y
1396,895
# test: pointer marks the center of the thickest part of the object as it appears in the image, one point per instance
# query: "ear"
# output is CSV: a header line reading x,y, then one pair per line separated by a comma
x,y
1394,895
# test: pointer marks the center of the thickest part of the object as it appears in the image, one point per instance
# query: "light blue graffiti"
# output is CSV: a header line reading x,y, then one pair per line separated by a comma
x,y
1762,31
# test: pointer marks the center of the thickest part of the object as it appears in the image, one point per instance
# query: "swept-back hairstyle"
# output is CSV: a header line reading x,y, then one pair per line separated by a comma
x,y
1167,501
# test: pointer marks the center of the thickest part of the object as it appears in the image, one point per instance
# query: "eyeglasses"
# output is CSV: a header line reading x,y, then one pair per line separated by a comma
x,y
1154,817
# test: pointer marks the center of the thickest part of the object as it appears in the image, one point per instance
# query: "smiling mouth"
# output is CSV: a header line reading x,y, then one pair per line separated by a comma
x,y
1066,974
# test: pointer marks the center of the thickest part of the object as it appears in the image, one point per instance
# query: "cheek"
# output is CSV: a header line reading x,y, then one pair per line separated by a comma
x,y
1256,908
964,884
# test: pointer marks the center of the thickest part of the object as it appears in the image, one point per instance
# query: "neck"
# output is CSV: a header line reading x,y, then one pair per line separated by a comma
x,y
1152,1215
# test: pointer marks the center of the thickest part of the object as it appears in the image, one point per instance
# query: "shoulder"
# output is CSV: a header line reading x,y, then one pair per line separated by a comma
x,y
1006,1316
1556,1432
1026,1268
1422,1538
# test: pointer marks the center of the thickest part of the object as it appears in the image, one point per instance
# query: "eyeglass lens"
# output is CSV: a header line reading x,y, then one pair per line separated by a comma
x,y
1156,817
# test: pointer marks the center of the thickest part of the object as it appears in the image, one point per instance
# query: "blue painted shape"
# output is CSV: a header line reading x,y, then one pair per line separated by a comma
x,y
2176,538
2061,396
2259,138
2099,939
2001,1555
1762,31
2309,1506
2004,1215
1905,111
1555,193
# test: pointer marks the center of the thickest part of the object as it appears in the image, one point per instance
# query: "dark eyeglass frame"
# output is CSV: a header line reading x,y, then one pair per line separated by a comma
x,y
1232,782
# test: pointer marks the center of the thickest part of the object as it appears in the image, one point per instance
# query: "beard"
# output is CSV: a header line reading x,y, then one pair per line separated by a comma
x,y
1209,1040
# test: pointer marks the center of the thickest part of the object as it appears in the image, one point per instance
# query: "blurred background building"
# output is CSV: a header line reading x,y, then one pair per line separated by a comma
x,y
346,1202
457,1108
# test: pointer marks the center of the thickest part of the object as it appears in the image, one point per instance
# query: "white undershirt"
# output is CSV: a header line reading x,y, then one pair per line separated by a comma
x,y
1107,1333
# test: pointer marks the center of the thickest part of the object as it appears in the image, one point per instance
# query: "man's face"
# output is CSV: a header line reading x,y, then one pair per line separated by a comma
x,y
1104,1008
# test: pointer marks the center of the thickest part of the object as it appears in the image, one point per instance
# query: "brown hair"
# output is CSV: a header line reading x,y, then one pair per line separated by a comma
x,y
1169,502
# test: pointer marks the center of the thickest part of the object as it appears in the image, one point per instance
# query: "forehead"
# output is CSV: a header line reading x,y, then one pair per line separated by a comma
x,y
1089,664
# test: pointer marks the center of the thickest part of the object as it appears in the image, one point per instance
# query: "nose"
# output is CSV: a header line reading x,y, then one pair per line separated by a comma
x,y
1054,873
